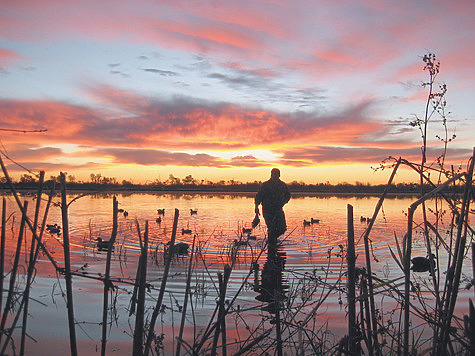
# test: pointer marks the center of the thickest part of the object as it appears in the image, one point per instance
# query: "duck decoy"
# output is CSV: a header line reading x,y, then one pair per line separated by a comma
x,y
159,220
180,248
185,231
161,211
193,212
306,223
103,244
238,243
53,229
315,221
246,230
422,264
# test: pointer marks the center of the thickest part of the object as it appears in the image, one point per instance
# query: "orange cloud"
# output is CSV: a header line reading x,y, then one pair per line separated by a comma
x,y
181,123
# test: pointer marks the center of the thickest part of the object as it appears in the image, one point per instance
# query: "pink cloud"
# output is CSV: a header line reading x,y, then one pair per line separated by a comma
x,y
181,123
7,56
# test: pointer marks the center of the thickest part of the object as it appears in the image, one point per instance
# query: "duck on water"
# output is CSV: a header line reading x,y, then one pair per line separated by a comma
x,y
423,264
180,248
103,245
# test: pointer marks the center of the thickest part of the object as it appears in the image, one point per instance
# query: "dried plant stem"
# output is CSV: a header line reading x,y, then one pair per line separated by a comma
x,y
133,299
351,259
220,322
107,282
253,343
30,224
366,317
185,301
161,293
459,253
2,249
408,251
211,326
141,281
67,267
31,264
11,288
373,327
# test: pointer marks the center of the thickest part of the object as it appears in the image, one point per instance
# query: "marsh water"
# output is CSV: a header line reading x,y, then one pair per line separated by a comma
x,y
315,249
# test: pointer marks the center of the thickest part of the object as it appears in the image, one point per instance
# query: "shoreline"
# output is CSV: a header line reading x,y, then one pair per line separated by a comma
x,y
218,192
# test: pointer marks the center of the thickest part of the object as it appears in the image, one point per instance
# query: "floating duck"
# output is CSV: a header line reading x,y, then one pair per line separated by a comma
x,y
422,264
306,223
53,229
238,243
104,244
246,230
120,210
180,248
362,219
185,231
193,212
315,221
251,237
161,211
159,220
126,213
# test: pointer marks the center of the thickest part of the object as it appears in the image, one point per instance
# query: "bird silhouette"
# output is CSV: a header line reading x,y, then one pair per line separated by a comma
x,y
53,229
422,264
104,244
180,248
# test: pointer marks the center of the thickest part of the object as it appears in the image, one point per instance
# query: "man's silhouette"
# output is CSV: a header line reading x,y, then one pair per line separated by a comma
x,y
273,195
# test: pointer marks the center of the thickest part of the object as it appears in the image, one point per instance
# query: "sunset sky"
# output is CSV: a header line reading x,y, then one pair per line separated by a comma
x,y
221,90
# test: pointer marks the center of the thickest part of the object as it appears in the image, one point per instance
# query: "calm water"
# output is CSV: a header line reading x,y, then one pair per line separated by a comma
x,y
219,220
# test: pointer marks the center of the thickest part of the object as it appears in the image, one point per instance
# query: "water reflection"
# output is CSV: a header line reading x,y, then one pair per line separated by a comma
x,y
272,287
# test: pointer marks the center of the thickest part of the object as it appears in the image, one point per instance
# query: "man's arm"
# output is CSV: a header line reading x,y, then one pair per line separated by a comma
x,y
258,199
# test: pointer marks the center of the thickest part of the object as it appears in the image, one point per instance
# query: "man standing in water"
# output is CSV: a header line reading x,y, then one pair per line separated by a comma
x,y
273,195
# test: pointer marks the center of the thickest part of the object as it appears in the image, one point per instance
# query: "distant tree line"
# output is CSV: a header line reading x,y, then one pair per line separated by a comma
x,y
98,182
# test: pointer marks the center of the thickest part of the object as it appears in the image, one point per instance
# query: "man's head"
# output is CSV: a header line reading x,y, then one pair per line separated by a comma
x,y
275,173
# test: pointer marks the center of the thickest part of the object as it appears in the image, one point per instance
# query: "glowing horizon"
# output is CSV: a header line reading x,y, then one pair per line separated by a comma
x,y
139,91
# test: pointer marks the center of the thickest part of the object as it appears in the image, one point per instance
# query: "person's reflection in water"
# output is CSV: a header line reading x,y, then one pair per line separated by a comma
x,y
272,288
